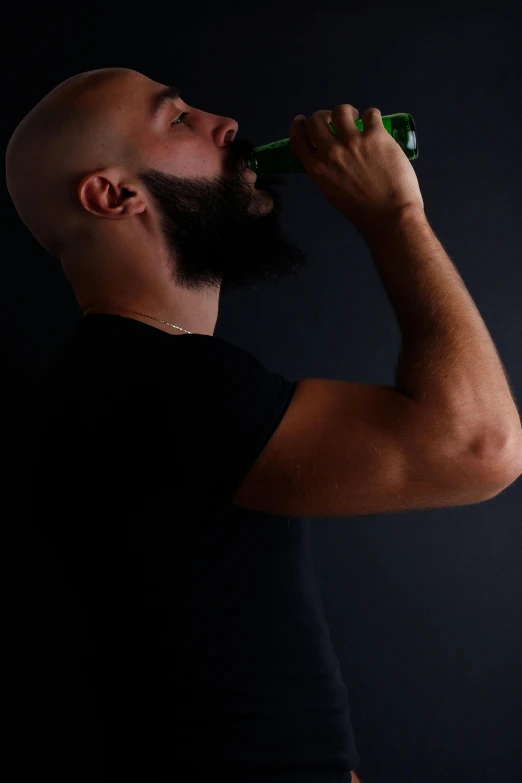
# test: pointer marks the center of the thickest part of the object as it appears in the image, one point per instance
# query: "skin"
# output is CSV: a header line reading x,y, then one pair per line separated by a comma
x,y
145,215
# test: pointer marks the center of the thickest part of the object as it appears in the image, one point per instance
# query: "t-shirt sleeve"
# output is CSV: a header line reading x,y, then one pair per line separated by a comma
x,y
230,407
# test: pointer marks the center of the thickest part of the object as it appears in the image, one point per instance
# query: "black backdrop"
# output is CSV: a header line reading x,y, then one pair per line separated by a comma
x,y
424,607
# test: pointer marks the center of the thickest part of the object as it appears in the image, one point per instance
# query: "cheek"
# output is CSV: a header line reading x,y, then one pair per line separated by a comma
x,y
190,158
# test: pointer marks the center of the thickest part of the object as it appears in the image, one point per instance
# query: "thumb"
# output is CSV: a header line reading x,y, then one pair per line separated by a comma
x,y
297,125
299,141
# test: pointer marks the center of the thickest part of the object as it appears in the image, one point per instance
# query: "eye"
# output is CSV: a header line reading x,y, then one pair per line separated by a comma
x,y
181,117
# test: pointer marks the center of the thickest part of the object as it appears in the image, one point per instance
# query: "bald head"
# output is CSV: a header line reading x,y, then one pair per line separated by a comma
x,y
72,131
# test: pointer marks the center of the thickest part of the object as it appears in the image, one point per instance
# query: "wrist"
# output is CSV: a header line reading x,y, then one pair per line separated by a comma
x,y
391,223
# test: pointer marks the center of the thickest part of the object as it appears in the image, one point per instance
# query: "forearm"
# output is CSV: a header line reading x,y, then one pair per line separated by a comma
x,y
448,362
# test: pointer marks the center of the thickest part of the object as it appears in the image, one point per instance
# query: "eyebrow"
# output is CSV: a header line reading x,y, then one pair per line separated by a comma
x,y
167,94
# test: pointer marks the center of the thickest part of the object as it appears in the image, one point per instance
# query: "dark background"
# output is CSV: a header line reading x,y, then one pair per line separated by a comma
x,y
424,607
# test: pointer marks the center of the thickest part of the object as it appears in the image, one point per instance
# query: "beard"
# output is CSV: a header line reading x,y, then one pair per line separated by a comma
x,y
221,232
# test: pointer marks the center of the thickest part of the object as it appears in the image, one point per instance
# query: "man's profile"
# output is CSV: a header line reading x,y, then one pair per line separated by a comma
x,y
144,199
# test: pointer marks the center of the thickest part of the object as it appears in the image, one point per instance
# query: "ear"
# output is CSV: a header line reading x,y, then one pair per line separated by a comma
x,y
109,194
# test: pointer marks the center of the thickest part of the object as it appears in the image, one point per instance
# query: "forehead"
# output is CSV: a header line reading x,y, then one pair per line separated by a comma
x,y
126,100
130,92
118,93
131,102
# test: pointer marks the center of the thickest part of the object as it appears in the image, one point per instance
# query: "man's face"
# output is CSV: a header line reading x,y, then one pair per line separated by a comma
x,y
218,228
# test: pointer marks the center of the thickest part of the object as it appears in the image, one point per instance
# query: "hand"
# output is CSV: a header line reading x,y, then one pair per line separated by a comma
x,y
364,174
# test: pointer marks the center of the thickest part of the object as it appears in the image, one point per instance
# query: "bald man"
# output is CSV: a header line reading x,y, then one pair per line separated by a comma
x,y
209,654
145,200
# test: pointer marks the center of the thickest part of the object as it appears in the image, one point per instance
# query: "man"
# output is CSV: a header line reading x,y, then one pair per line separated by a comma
x,y
145,199
148,205
165,472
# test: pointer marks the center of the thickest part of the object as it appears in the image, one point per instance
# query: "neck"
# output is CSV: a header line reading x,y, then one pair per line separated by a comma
x,y
176,324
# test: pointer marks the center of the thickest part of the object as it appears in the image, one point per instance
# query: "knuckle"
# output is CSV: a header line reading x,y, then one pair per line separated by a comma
x,y
334,153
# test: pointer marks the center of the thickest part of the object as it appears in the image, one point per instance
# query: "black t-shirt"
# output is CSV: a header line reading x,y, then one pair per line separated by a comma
x,y
208,650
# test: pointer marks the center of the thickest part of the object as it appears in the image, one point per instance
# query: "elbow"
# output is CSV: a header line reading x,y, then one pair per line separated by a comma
x,y
501,461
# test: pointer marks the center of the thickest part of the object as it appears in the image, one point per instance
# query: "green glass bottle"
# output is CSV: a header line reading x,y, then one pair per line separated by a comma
x,y
278,156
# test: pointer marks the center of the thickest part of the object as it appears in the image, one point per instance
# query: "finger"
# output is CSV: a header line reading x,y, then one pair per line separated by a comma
x,y
343,117
346,112
299,139
319,131
372,118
